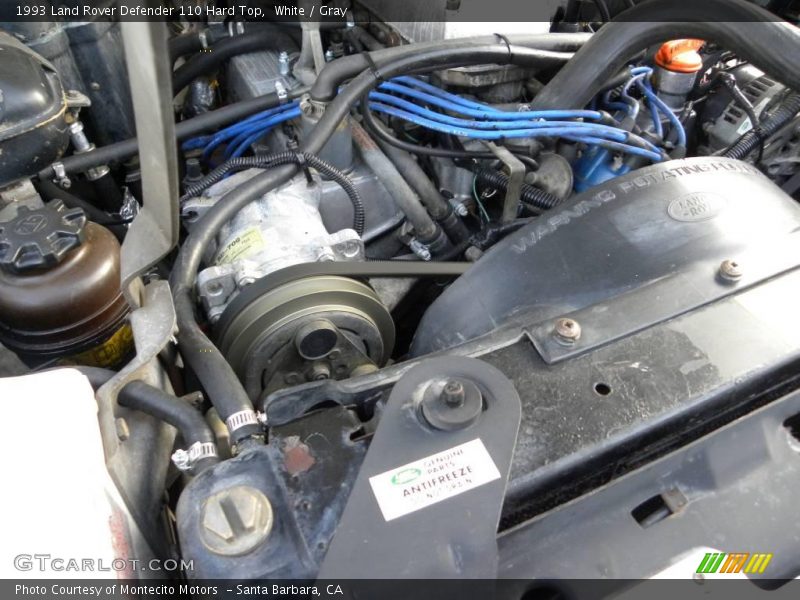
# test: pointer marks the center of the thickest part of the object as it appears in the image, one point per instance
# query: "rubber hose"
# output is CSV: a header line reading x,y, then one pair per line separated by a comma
x,y
367,39
183,45
77,163
395,184
531,195
338,71
146,398
218,378
221,51
438,207
51,191
787,111
284,158
741,26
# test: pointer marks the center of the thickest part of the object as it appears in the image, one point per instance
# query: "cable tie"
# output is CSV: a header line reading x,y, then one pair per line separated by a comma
x,y
376,73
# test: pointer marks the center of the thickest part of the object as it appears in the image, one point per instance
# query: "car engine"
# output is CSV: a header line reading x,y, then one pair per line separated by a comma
x,y
371,297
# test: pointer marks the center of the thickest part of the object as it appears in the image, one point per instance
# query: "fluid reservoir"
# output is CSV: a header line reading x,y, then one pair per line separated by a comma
x,y
60,297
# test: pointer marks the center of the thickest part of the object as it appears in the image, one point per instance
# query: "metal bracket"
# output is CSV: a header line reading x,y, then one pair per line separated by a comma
x,y
136,444
516,177
154,232
455,536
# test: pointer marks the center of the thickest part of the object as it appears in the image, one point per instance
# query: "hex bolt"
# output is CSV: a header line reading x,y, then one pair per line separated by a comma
x,y
567,331
453,393
283,63
320,372
730,270
451,404
235,521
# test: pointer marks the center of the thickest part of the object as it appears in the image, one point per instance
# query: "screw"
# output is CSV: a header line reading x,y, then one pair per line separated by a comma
x,y
453,393
567,330
730,270
236,520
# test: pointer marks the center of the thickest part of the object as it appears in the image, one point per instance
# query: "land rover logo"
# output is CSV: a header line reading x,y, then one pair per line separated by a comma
x,y
405,476
30,224
698,206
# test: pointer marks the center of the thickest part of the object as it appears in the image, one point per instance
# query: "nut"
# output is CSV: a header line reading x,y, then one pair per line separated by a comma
x,y
730,270
567,330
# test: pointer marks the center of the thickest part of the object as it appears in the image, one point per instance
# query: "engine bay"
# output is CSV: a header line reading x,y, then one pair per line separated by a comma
x,y
358,287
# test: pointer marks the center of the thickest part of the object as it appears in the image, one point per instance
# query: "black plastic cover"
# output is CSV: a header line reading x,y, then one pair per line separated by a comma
x,y
33,132
37,239
622,256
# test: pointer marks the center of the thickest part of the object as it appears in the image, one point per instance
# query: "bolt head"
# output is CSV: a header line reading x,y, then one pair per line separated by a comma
x,y
731,270
567,330
451,404
453,393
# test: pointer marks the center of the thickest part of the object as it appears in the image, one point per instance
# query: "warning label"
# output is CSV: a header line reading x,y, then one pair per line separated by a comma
x,y
433,479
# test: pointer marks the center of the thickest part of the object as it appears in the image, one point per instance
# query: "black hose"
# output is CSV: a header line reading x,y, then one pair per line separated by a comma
x,y
183,45
146,398
741,26
218,378
207,62
51,191
361,36
602,8
436,204
273,160
338,71
748,142
532,195
78,163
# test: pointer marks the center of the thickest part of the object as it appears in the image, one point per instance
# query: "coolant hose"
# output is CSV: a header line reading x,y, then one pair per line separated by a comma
x,y
215,373
438,207
750,31
395,184
146,398
340,70
532,195
183,45
787,111
208,62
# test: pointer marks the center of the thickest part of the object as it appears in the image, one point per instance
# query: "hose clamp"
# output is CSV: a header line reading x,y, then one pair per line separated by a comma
x,y
241,419
186,459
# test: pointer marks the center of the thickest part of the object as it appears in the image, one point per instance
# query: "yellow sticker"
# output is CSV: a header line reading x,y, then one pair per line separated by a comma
x,y
246,243
108,354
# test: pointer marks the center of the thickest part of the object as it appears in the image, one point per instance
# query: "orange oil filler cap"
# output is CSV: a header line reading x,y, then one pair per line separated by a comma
x,y
680,56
